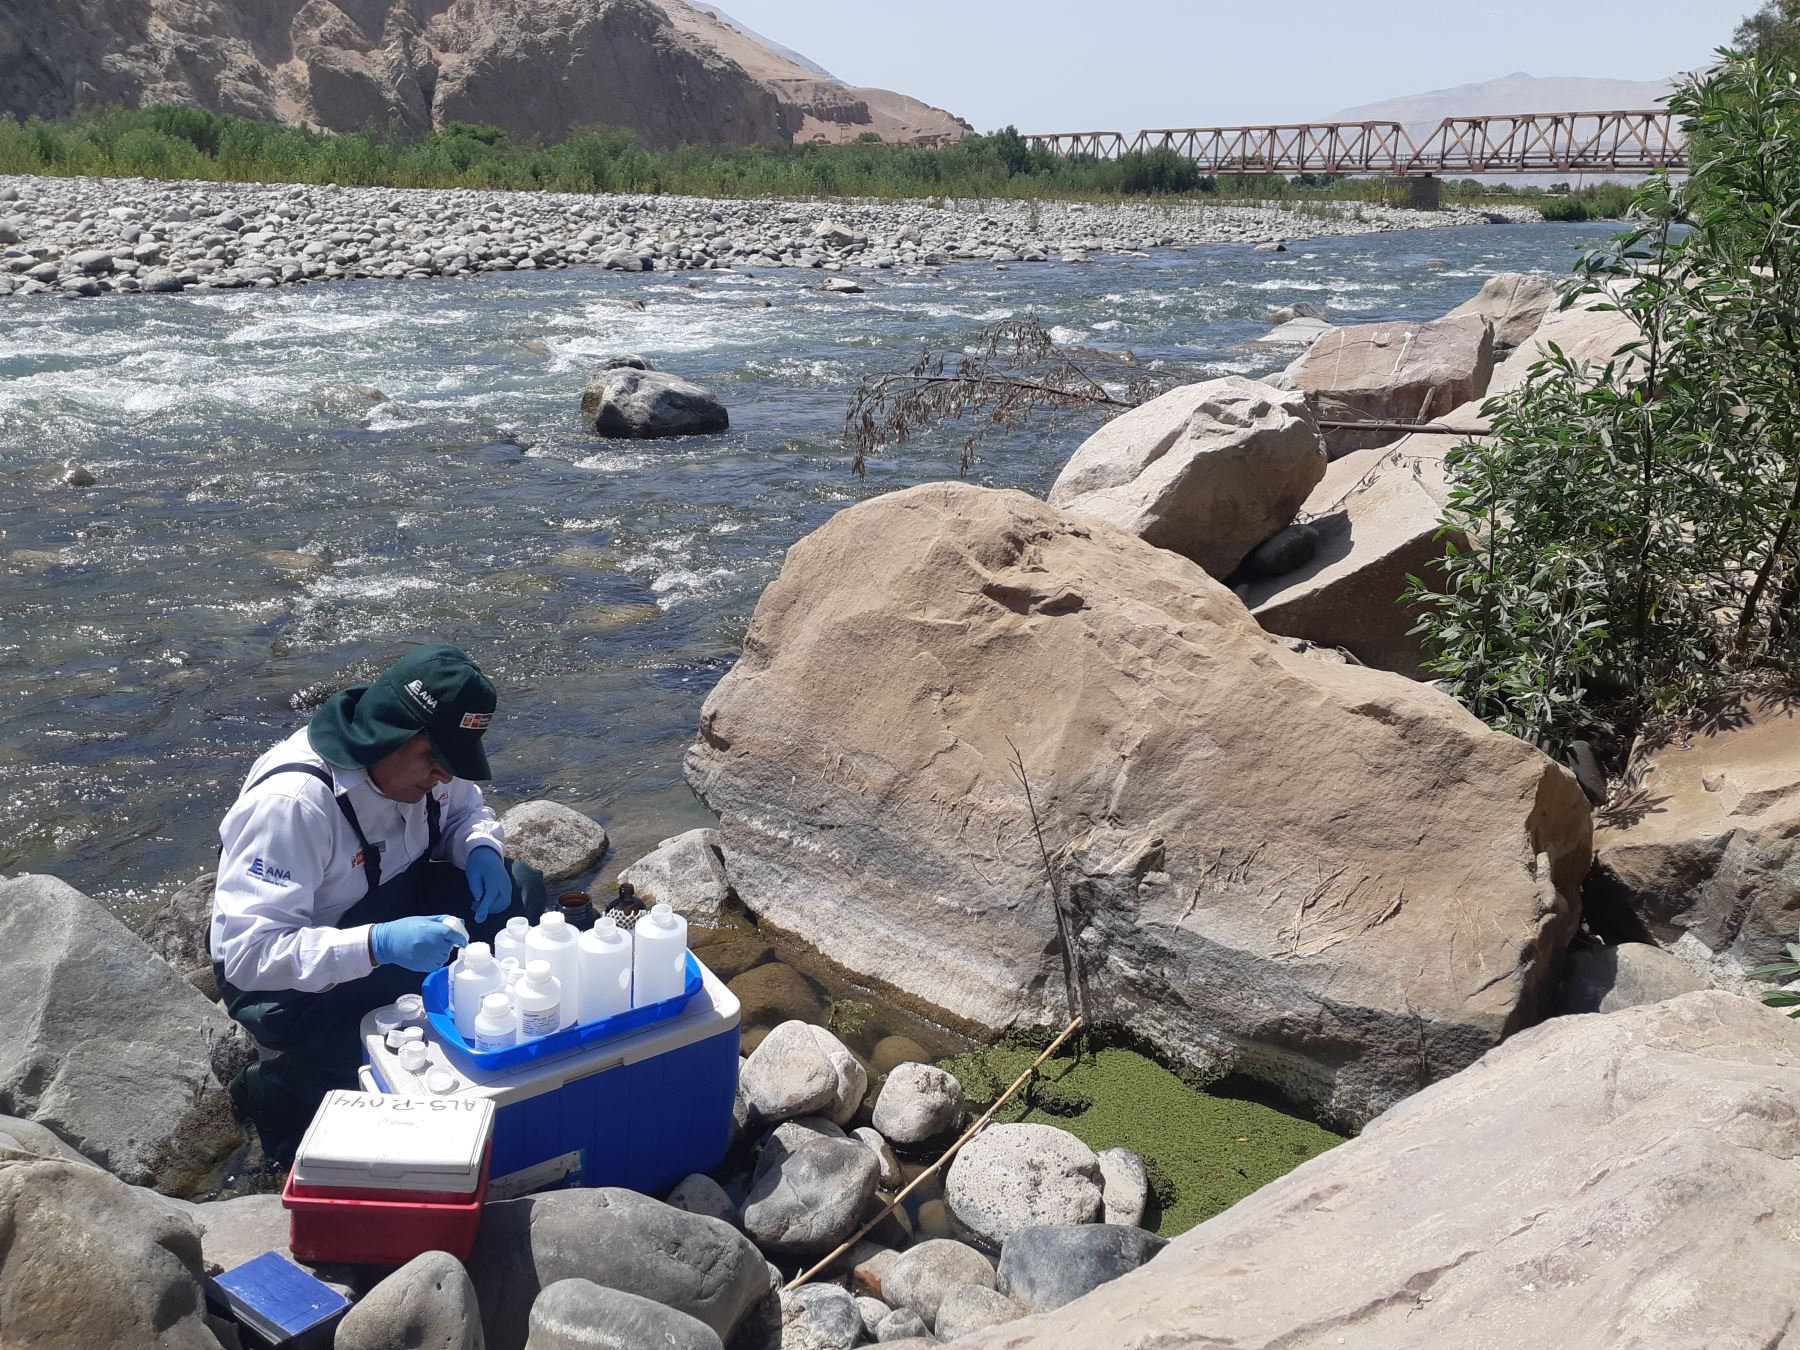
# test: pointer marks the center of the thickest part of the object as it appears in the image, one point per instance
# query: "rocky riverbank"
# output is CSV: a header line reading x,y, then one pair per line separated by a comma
x,y
89,237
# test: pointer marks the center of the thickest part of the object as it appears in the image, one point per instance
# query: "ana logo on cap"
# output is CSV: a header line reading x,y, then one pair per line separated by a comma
x,y
423,696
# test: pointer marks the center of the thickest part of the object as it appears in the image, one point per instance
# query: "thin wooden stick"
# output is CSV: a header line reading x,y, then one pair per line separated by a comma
x,y
949,1153
1413,428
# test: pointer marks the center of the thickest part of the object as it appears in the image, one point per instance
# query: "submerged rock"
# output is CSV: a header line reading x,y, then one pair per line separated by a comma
x,y
915,639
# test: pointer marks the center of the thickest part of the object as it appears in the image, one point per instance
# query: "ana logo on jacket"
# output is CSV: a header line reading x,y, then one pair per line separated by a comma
x,y
263,871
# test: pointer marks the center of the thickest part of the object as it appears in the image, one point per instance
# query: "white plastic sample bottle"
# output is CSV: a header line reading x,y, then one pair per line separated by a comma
x,y
497,1025
659,957
510,940
554,941
538,998
605,951
478,976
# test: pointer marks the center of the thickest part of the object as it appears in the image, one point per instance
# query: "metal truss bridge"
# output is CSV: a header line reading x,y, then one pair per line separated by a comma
x,y
1635,141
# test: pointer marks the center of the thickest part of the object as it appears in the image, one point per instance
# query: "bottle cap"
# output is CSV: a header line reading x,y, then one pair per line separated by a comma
x,y
410,1007
495,1003
553,920
387,1019
518,925
440,1081
477,949
413,1056
538,971
412,1036
509,964
662,915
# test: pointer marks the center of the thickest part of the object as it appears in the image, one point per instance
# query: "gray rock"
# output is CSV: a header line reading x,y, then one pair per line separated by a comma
x,y
807,1199
819,1317
1300,309
25,1141
78,476
577,1314
698,1193
87,1261
791,1134
686,872
641,405
922,1275
626,361
918,1103
1124,1187
1043,1268
93,262
1605,979
968,1308
841,286
1022,1176
871,1310
889,1175
427,1304
178,932
1275,247
1282,552
112,1049
799,1070
558,841
902,1324
699,1266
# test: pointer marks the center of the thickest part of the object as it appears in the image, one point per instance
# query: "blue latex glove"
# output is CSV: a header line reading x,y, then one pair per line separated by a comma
x,y
421,943
489,882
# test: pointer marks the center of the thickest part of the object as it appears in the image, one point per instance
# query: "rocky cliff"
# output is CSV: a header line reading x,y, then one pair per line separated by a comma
x,y
535,67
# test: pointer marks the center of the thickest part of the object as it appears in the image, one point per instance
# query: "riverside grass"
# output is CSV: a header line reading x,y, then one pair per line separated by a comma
x,y
1204,1150
174,143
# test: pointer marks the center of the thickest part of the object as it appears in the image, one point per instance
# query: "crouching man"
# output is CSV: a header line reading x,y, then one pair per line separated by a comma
x,y
358,856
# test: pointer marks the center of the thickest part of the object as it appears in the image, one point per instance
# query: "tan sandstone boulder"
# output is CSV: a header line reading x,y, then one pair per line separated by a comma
x,y
1588,333
1704,841
1209,470
1376,518
1618,1182
1513,302
1408,372
1328,877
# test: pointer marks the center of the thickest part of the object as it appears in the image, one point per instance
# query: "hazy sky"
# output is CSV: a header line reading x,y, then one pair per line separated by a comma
x,y
1059,65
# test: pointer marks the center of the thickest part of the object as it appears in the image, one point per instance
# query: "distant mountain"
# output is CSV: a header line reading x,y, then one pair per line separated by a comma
x,y
537,68
785,53
1516,93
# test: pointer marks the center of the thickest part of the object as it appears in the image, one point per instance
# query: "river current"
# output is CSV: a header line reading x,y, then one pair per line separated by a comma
x,y
422,439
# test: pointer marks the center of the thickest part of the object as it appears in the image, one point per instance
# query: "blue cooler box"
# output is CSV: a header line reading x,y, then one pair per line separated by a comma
x,y
641,1110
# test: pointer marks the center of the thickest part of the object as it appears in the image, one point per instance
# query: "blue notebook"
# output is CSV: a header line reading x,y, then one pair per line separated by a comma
x,y
279,1301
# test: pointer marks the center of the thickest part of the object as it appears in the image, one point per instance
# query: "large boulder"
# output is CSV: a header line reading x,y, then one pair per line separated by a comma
x,y
108,1046
1253,846
180,931
26,1141
87,1261
557,840
1375,521
1702,842
1388,372
644,404
1208,470
1590,332
1596,1182
699,1266
1514,302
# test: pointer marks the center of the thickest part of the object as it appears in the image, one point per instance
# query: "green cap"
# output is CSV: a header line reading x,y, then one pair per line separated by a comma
x,y
437,690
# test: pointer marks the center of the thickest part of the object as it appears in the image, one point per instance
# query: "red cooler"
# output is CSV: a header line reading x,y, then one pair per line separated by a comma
x,y
381,1179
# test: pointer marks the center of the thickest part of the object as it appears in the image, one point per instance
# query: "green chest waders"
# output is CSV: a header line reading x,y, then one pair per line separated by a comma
x,y
314,1035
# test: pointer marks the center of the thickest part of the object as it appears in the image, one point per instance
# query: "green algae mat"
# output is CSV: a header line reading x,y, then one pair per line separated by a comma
x,y
1204,1149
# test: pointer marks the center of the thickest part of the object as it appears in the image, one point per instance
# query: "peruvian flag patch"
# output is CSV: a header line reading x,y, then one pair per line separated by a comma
x,y
476,721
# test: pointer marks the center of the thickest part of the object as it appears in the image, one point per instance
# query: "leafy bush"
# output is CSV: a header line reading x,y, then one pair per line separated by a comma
x,y
1565,209
1637,527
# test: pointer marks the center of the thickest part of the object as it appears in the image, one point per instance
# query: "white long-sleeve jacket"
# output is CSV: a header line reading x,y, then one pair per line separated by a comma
x,y
291,867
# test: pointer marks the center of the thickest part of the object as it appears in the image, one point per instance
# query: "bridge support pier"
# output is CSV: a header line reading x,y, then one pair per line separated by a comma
x,y
1422,192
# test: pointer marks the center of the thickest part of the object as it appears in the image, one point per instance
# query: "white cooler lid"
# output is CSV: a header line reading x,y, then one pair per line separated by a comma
x,y
371,1141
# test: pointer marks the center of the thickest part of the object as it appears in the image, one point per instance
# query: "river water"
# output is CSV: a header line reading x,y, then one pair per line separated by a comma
x,y
153,639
